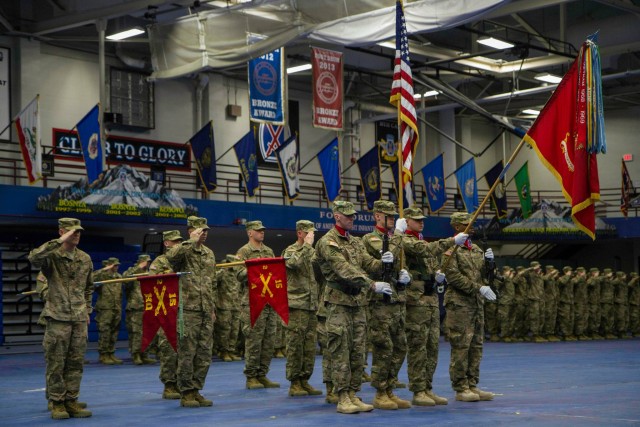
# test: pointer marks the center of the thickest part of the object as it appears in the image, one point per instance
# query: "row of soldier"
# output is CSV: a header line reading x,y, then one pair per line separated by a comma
x,y
550,305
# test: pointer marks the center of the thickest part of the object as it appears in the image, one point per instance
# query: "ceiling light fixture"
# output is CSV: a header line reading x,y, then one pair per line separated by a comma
x,y
131,32
495,43
298,68
531,112
431,93
549,78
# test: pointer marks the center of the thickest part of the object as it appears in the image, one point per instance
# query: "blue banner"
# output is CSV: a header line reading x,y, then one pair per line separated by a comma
x,y
246,152
499,196
266,88
204,153
91,142
396,177
433,174
289,163
329,159
467,186
369,166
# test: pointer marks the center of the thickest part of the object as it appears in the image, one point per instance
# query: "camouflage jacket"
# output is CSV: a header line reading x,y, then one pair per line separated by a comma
x,y
132,291
464,276
345,264
249,252
606,290
565,288
228,289
372,242
593,290
621,291
551,291
634,294
302,288
506,291
520,286
536,285
109,295
70,279
42,288
198,289
579,290
160,265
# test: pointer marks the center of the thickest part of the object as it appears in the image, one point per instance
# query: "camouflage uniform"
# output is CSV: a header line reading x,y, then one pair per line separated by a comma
x,y
109,308
70,290
535,303
520,327
135,310
322,331
621,304
593,296
634,305
506,292
227,323
551,294
197,298
259,340
580,308
302,291
565,304
607,319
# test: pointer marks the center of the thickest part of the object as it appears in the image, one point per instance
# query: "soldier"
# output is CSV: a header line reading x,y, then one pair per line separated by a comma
x,y
634,305
565,305
68,271
535,303
166,353
198,291
550,303
302,292
607,319
465,316
135,310
506,290
321,314
259,340
345,263
593,296
386,314
580,304
422,307
621,304
520,328
109,308
225,330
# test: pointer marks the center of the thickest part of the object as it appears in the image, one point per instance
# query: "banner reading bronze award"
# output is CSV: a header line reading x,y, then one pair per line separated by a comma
x,y
327,88
266,88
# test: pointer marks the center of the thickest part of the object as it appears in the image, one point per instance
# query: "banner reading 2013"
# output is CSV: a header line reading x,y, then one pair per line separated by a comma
x,y
327,88
266,88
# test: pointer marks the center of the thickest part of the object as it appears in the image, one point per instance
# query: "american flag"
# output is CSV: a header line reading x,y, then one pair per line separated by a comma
x,y
402,98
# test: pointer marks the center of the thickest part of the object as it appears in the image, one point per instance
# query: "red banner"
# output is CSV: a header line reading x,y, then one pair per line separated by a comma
x,y
161,297
327,88
267,279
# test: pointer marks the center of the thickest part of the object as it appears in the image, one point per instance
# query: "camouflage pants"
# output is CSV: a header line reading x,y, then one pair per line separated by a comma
x,y
226,330
491,318
607,319
423,332
565,319
622,318
505,319
535,315
594,319
580,318
634,319
168,359
195,350
550,316
301,344
389,343
133,322
108,327
65,344
520,327
280,340
466,335
259,341
326,356
346,328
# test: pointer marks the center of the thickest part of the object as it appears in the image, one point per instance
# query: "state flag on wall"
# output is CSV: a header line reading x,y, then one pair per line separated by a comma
x,y
329,159
523,187
161,298
245,150
28,128
499,196
289,163
433,174
90,138
267,278
369,166
204,153
467,185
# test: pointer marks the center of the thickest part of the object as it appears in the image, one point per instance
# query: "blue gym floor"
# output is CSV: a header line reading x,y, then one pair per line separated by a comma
x,y
591,383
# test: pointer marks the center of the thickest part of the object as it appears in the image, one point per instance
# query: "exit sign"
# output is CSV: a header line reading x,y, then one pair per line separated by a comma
x,y
627,157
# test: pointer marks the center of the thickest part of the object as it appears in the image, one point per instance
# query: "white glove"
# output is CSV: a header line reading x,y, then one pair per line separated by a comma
x,y
460,238
440,276
382,288
488,254
486,292
387,257
403,277
401,225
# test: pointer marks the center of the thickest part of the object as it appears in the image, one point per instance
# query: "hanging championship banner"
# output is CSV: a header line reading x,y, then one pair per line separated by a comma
x,y
266,88
327,88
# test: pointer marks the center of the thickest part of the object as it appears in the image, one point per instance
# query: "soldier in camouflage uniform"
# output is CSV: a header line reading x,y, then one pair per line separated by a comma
x,y
607,316
506,290
302,292
331,397
621,304
225,330
168,356
465,315
68,271
386,314
520,326
259,340
565,305
593,296
345,264
551,294
109,310
535,303
634,304
422,307
580,304
197,298
135,311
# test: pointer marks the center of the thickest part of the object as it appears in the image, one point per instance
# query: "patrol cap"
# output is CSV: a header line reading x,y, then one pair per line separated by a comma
x,y
633,274
171,235
113,261
506,268
305,225
343,207
231,258
549,267
593,270
534,264
143,257
460,218
580,269
254,225
197,222
519,268
566,268
607,270
385,207
413,212
70,224
620,273
105,262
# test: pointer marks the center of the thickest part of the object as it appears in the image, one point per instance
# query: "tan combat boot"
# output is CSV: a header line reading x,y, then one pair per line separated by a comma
x,y
399,384
402,404
147,360
363,407
366,378
382,401
114,359
267,383
494,338
296,390
58,411
310,389
236,357
80,405
331,396
253,383
188,399
438,399
105,359
483,395
170,391
202,401
226,357
137,360
345,406
420,398
75,411
279,354
467,396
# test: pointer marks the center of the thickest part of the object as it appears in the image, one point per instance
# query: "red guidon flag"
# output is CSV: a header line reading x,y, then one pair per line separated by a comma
x,y
267,279
327,88
160,294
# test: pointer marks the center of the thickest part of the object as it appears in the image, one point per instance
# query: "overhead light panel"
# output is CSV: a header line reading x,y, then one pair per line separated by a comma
x,y
549,78
495,43
131,32
531,112
298,68
430,93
